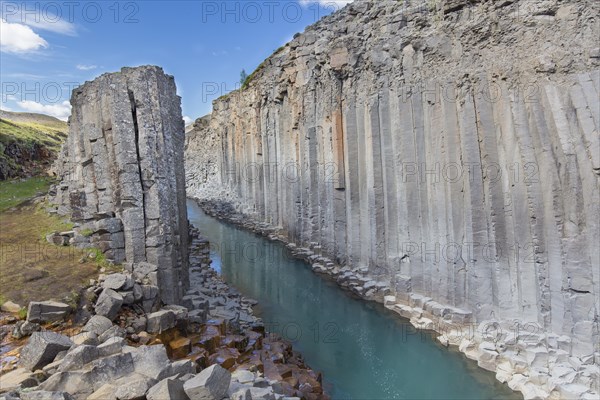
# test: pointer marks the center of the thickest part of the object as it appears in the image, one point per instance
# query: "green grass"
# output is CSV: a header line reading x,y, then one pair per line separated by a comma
x,y
15,192
2,299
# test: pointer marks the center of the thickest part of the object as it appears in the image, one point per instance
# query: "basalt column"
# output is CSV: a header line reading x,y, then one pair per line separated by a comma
x,y
122,175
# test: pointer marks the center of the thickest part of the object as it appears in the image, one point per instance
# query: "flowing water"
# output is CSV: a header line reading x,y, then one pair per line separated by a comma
x,y
363,350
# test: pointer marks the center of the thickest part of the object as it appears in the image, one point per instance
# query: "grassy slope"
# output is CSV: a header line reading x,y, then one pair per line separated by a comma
x,y
29,131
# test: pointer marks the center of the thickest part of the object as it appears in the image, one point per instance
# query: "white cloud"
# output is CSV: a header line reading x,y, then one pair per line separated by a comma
x,y
60,111
84,67
187,120
19,39
39,19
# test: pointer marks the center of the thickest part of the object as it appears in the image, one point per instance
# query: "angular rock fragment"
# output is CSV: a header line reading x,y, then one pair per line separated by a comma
x,y
41,349
47,311
211,383
108,304
167,389
160,321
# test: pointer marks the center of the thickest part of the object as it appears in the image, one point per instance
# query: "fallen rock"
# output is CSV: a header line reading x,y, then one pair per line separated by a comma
x,y
133,387
9,306
25,328
47,311
160,321
108,369
45,395
113,331
115,281
151,361
78,383
167,389
89,338
212,383
112,346
42,348
57,239
104,392
15,378
109,303
77,357
98,324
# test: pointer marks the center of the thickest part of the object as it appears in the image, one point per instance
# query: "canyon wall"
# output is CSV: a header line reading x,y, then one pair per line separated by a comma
x,y
121,174
448,152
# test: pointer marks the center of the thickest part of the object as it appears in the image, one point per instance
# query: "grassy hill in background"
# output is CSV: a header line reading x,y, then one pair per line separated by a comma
x,y
28,143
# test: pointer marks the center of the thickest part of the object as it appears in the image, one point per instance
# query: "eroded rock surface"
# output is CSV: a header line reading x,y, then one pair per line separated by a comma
x,y
122,174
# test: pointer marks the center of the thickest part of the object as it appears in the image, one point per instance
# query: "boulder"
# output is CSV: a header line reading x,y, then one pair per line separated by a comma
x,y
151,361
160,321
78,383
45,395
15,378
98,324
104,392
24,328
183,367
42,348
113,331
212,383
57,239
111,346
77,357
243,376
115,281
109,303
108,369
47,311
133,387
10,307
167,389
85,338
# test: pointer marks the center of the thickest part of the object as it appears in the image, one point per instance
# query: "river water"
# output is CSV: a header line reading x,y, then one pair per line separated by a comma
x,y
363,350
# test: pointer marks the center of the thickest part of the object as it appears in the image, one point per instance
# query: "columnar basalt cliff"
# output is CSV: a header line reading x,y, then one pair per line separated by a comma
x,y
445,156
122,175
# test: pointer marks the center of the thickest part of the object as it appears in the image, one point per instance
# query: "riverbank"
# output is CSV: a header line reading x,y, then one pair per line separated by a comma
x,y
120,343
529,361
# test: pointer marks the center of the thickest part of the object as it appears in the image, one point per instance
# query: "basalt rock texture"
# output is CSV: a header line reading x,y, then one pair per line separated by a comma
x,y
450,154
121,173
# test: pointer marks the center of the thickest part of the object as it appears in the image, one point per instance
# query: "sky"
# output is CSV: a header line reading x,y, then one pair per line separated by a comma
x,y
49,47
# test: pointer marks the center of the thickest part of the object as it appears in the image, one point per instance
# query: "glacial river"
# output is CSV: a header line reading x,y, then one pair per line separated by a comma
x,y
363,350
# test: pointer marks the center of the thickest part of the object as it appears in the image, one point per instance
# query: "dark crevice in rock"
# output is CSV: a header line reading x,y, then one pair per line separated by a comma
x,y
139,158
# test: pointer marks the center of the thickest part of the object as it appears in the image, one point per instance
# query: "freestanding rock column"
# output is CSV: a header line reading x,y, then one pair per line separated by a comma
x,y
122,174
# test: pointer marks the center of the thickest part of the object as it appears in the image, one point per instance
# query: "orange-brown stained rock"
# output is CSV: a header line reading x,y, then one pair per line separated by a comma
x,y
219,323
293,381
200,356
238,341
308,380
225,357
284,371
210,338
180,348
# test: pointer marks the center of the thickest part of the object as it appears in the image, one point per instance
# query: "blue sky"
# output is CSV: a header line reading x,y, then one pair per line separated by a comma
x,y
47,48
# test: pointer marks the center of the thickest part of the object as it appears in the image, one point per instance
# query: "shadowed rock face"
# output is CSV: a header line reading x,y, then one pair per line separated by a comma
x,y
122,173
453,153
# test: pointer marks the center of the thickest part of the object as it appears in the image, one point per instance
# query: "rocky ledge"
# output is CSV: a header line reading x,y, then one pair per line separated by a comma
x,y
121,344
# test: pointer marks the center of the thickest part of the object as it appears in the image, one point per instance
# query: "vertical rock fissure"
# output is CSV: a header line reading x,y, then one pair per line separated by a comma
x,y
136,132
